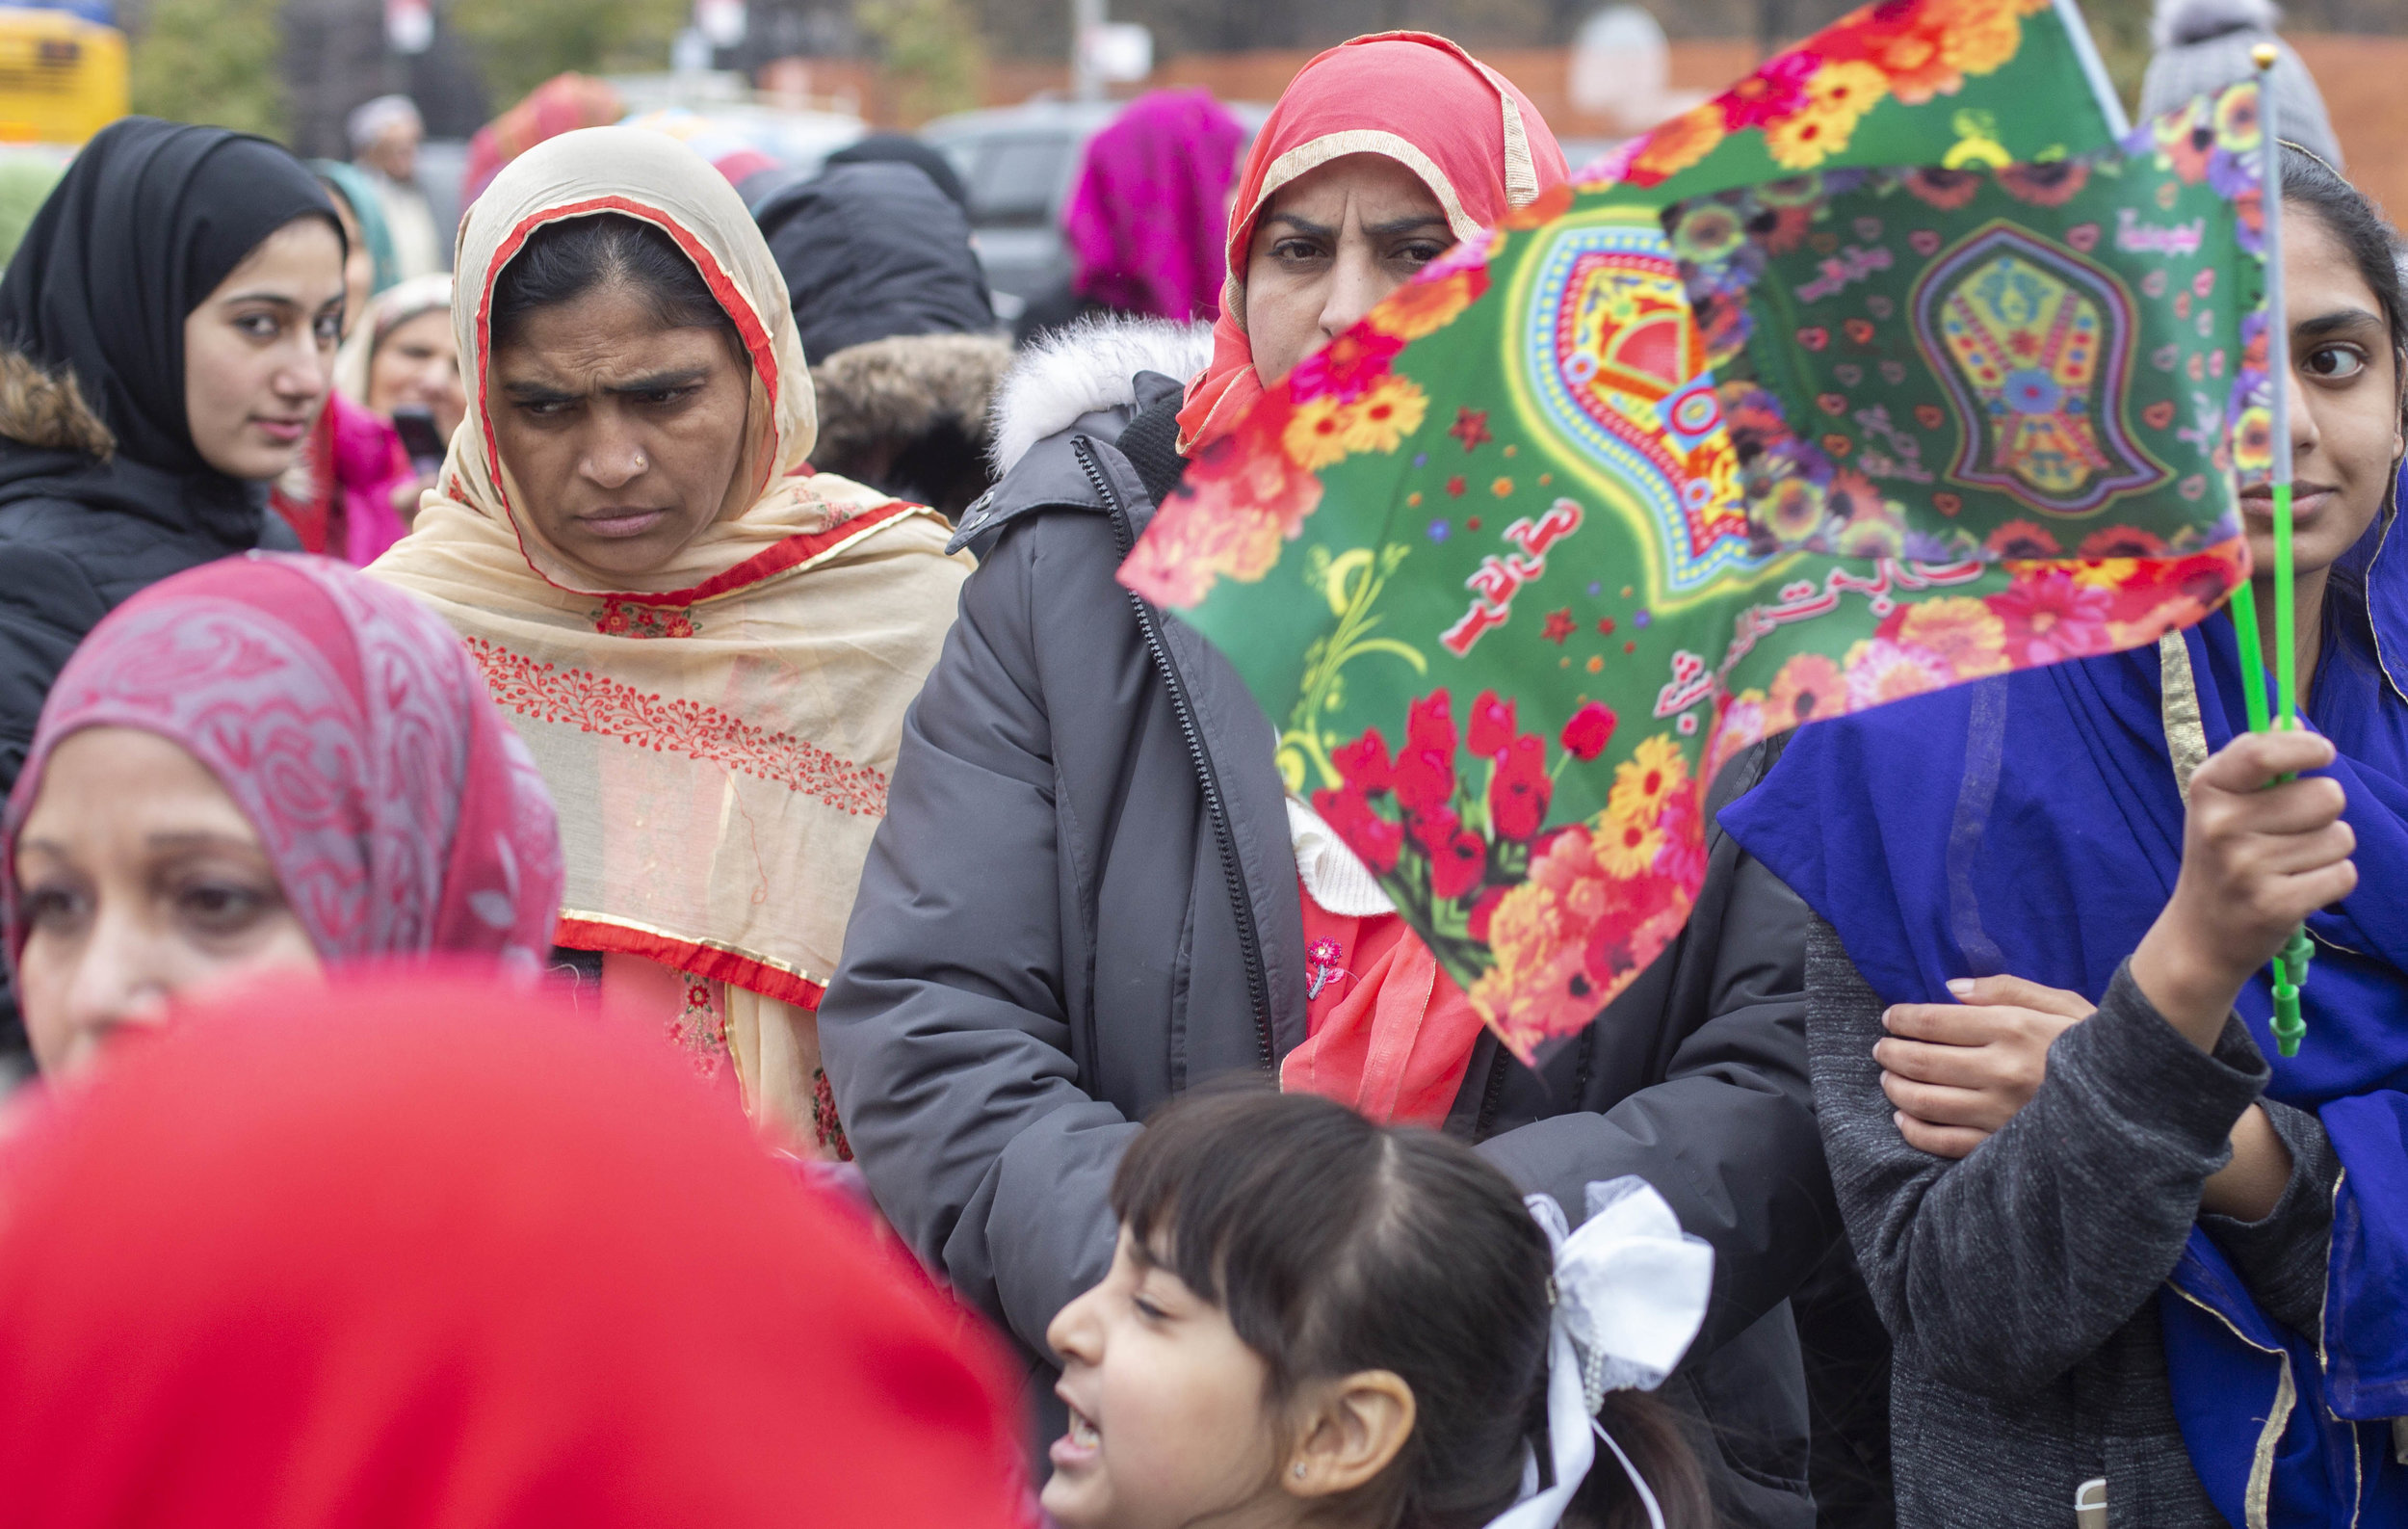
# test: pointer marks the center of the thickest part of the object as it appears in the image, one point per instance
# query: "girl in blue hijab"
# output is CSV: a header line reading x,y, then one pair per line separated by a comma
x,y
2123,1247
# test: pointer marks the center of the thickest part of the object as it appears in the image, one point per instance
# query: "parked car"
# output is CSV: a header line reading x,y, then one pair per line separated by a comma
x,y
1018,163
798,141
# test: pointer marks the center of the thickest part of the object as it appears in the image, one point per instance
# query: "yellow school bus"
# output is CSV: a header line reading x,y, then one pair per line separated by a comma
x,y
62,78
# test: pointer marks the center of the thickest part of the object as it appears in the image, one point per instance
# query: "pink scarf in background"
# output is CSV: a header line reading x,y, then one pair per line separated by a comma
x,y
399,807
1145,221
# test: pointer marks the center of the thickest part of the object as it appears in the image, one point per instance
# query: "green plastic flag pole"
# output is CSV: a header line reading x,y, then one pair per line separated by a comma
x,y
2253,686
2290,966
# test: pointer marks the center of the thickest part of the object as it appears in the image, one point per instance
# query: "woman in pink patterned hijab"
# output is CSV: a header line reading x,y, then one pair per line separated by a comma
x,y
267,762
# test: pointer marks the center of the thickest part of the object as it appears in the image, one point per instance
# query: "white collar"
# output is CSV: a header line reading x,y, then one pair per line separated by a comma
x,y
1333,877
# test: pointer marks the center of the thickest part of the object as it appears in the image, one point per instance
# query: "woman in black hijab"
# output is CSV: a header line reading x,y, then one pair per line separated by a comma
x,y
167,336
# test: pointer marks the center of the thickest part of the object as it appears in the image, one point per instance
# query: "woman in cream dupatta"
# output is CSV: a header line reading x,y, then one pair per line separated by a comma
x,y
718,731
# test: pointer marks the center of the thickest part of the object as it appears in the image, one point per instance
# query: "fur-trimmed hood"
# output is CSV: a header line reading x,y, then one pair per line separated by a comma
x,y
1086,367
41,409
907,414
901,387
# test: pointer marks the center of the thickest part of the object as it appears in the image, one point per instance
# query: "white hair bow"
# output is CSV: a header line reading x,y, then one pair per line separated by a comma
x,y
1630,1289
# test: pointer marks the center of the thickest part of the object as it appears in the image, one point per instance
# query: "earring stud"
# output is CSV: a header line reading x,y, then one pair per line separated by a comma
x,y
1299,1470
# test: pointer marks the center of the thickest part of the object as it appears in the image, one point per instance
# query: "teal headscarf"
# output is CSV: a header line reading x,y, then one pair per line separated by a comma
x,y
359,190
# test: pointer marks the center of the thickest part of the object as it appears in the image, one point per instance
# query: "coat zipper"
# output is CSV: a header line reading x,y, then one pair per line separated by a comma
x,y
1242,902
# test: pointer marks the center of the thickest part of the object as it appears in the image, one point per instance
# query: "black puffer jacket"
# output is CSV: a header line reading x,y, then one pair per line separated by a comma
x,y
1084,900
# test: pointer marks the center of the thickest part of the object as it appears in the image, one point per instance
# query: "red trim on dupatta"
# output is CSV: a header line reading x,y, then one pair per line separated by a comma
x,y
697,960
792,553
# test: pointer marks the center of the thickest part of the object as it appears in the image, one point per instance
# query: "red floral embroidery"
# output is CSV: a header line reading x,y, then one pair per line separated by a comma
x,y
596,705
624,618
1321,968
699,1030
823,1122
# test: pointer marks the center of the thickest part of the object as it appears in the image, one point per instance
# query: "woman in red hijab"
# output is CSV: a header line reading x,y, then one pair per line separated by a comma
x,y
460,1260
1092,891
264,762
1381,153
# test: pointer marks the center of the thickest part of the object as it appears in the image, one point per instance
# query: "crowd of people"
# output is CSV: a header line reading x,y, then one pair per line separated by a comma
x,y
690,955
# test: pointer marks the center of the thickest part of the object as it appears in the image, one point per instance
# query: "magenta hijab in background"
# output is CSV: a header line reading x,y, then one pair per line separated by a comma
x,y
1146,218
402,813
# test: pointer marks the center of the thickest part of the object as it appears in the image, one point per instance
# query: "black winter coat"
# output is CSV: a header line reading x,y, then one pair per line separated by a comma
x,y
1083,900
77,538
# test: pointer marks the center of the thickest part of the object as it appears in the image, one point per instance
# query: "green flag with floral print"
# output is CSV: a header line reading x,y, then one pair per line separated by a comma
x,y
1955,84
1608,496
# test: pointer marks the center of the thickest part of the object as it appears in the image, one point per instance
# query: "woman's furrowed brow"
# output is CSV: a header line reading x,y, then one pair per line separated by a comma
x,y
1303,225
652,382
662,381
537,393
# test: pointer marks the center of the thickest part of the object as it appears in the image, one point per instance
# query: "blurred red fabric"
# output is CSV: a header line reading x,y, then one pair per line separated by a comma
x,y
427,1252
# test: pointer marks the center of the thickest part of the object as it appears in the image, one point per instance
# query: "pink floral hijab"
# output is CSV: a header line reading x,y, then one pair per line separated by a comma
x,y
397,804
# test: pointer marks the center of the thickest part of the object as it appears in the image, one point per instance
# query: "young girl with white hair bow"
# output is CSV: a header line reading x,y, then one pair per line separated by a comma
x,y
1311,1318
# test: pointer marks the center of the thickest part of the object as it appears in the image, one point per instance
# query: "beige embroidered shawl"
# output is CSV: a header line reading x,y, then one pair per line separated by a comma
x,y
720,741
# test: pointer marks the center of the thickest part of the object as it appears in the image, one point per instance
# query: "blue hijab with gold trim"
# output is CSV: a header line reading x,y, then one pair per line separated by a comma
x,y
2030,824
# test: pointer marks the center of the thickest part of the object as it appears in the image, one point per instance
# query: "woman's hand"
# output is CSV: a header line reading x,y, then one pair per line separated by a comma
x,y
1958,1072
2257,859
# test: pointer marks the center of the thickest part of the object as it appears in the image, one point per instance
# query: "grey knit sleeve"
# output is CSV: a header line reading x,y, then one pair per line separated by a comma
x,y
2282,1258
1998,1273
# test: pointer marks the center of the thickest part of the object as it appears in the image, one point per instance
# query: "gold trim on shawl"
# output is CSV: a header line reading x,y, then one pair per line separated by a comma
x,y
1313,155
2324,1367
2278,1419
1521,174
2389,517
2178,703
2261,1460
